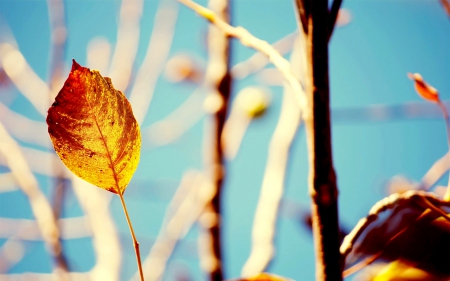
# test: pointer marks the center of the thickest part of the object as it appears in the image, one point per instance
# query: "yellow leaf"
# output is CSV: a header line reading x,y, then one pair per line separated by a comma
x,y
265,277
93,130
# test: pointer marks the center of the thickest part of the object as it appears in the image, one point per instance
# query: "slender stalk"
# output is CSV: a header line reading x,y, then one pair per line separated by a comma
x,y
135,242
322,178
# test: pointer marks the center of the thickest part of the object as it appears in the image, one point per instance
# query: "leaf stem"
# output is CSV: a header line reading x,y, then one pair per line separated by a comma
x,y
135,242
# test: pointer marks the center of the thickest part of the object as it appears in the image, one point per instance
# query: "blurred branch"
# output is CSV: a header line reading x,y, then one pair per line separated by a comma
x,y
23,229
264,224
24,128
303,14
178,122
7,182
24,78
79,276
258,61
250,41
437,170
11,252
218,82
322,178
126,43
381,112
186,206
333,14
59,38
157,53
38,202
105,240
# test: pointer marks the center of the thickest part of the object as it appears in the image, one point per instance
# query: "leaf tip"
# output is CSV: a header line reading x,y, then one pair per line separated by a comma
x,y
75,65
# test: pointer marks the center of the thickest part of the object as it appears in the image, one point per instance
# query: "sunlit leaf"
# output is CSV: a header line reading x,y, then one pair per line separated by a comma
x,y
423,88
93,130
399,271
265,277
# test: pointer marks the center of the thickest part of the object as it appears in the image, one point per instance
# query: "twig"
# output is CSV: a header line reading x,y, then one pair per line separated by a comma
x,y
39,204
447,126
127,43
334,12
24,229
178,122
24,78
322,178
23,128
218,82
303,14
186,206
249,40
58,28
436,171
157,53
258,61
105,239
133,236
264,224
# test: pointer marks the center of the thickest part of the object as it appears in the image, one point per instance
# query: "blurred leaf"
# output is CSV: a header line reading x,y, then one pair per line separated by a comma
x,y
399,271
410,233
423,88
94,131
265,277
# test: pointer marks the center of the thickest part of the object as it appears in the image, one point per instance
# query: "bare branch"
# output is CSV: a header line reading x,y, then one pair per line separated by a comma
x,y
334,11
105,239
250,41
264,225
322,178
40,207
127,43
157,53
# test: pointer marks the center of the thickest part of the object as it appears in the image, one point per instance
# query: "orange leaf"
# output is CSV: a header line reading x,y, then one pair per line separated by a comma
x,y
93,130
423,88
265,277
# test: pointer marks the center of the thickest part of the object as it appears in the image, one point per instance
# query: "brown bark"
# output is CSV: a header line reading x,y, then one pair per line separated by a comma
x,y
322,178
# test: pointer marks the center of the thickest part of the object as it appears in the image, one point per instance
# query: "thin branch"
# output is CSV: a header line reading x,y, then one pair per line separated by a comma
x,y
23,128
24,229
24,78
259,60
187,204
265,220
322,178
334,12
178,122
133,236
56,13
38,202
218,82
153,64
447,127
249,40
105,239
127,43
303,13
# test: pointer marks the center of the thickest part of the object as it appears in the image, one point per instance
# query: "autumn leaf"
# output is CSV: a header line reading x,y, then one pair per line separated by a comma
x,y
265,277
423,88
93,130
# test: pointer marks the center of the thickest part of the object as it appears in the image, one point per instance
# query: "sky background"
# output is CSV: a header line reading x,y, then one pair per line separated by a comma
x,y
369,61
